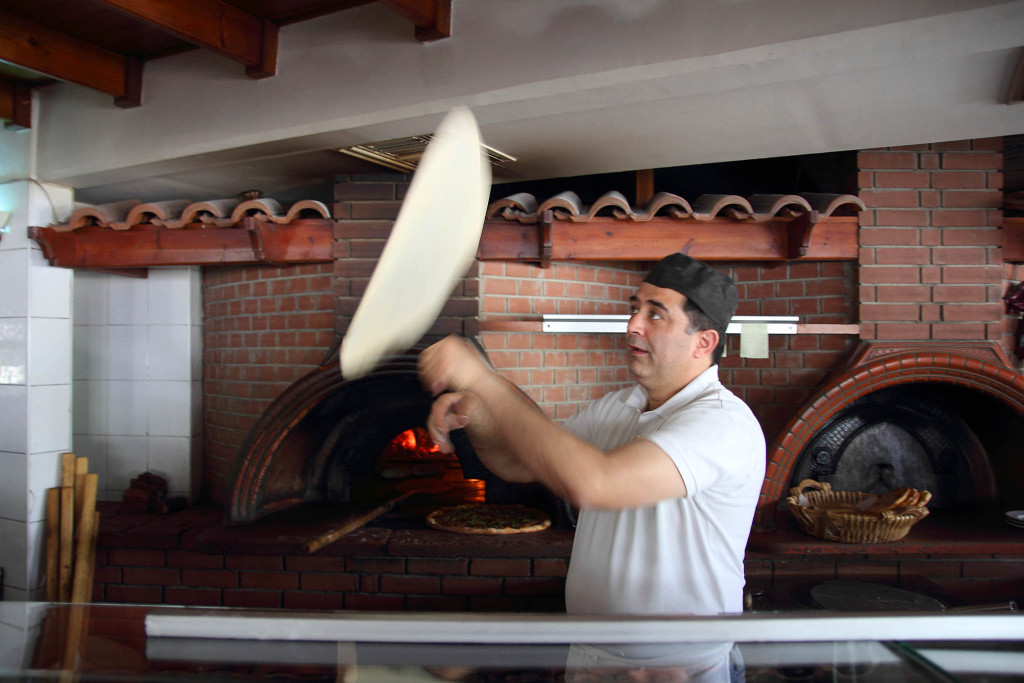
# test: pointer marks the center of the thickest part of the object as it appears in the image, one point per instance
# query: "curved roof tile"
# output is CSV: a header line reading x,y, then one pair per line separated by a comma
x,y
514,206
177,213
523,207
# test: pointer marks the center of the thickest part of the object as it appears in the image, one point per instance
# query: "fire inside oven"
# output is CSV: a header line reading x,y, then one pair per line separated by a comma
x,y
412,462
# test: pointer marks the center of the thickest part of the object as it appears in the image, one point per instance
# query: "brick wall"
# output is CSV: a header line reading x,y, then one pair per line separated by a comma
x,y
561,372
365,208
931,258
263,328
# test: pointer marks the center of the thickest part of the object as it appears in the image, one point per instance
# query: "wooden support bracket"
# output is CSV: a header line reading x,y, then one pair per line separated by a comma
x,y
547,220
798,234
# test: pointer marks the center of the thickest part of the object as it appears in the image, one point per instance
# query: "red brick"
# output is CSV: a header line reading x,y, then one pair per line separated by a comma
x,y
211,578
972,161
174,595
252,598
435,603
383,603
180,558
910,179
149,576
991,199
500,567
959,180
426,585
470,586
135,594
903,256
254,562
437,566
279,580
886,160
971,312
550,567
137,558
328,582
894,199
534,586
313,601
986,237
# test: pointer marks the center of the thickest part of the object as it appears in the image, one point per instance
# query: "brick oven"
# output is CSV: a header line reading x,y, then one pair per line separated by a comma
x,y
922,299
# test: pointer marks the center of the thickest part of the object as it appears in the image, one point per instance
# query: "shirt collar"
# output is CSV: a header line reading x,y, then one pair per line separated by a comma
x,y
637,398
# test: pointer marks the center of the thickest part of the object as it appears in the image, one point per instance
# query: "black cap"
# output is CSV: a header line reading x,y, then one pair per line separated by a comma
x,y
700,283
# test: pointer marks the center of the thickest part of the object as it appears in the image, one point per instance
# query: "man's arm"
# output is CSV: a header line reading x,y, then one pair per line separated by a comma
x,y
637,474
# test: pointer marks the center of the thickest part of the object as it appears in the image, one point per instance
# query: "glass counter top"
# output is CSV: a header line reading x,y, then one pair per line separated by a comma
x,y
106,642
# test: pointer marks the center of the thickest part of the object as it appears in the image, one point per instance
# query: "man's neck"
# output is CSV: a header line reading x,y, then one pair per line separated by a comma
x,y
657,396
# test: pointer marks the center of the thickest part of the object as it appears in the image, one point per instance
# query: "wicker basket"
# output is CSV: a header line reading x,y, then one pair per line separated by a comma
x,y
826,514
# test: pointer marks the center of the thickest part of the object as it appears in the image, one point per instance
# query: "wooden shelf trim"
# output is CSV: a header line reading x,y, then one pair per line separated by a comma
x,y
251,240
256,240
610,239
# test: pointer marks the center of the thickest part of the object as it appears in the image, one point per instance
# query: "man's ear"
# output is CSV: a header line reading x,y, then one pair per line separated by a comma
x,y
707,342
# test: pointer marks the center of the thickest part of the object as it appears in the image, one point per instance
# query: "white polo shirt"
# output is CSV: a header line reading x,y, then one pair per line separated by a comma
x,y
681,555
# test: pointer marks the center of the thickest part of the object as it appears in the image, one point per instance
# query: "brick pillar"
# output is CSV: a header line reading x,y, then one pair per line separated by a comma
x,y
365,207
931,243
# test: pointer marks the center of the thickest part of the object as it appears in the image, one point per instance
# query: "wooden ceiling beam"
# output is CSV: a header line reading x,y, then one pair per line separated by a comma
x,y
55,54
433,18
16,104
213,25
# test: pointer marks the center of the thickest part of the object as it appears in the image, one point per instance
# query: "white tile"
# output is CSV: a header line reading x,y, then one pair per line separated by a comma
x,y
49,288
90,401
126,459
169,408
12,486
49,418
49,203
196,296
49,351
14,418
170,349
91,298
196,352
170,296
12,553
126,408
35,554
95,448
13,350
13,283
43,473
129,301
196,466
126,352
197,408
170,458
90,354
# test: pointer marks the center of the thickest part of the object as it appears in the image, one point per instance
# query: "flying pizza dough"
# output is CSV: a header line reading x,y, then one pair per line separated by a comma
x,y
431,246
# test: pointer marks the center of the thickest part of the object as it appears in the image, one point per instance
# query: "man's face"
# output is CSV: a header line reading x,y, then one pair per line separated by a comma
x,y
660,348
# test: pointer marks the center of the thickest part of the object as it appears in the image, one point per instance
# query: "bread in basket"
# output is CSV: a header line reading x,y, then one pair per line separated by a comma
x,y
854,516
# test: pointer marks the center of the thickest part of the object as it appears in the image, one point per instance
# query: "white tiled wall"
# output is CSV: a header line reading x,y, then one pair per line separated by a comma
x,y
35,378
137,377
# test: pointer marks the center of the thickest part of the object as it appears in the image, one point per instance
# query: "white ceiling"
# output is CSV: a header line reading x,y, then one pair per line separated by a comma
x,y
572,87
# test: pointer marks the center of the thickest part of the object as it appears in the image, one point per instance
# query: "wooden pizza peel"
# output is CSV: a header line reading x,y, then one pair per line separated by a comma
x,y
432,244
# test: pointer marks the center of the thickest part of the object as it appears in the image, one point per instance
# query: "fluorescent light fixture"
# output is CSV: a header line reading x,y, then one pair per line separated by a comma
x,y
776,324
403,154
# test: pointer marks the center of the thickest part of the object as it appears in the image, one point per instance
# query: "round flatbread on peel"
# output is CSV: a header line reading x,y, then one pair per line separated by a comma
x,y
484,518
431,246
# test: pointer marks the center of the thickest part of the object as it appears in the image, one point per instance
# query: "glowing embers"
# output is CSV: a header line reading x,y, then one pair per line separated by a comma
x,y
411,461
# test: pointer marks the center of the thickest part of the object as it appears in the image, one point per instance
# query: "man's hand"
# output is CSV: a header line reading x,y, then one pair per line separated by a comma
x,y
452,364
449,412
